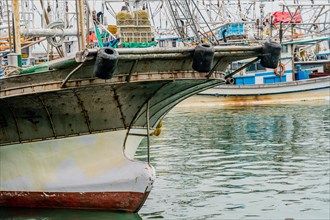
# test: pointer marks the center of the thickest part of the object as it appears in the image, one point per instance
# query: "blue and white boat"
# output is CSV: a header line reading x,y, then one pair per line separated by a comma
x,y
302,75
303,72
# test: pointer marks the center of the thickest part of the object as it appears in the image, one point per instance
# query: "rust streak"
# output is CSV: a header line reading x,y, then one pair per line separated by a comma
x,y
119,105
128,78
81,104
15,119
49,117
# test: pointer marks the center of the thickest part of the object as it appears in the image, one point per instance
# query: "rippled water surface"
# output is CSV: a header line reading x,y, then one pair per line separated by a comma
x,y
264,162
261,162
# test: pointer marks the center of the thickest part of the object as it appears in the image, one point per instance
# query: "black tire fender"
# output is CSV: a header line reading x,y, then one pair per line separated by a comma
x,y
105,63
270,55
203,58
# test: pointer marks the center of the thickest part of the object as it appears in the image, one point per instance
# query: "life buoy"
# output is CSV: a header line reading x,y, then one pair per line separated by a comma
x,y
277,73
230,81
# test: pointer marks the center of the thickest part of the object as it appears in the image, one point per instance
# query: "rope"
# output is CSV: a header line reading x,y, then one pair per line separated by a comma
x,y
98,35
52,40
7,72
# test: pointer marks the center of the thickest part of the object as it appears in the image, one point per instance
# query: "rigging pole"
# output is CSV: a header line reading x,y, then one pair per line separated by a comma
x,y
45,14
17,34
9,31
80,24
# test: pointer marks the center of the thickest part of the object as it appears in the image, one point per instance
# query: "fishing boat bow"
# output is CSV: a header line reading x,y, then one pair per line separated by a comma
x,y
68,138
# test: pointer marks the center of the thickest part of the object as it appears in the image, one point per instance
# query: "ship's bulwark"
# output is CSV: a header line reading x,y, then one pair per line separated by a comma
x,y
68,139
89,109
39,106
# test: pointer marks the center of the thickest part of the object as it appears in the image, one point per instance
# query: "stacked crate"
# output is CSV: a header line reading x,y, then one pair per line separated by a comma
x,y
134,27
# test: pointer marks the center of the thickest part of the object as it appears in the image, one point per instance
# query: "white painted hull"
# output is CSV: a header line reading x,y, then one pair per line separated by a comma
x,y
317,89
57,169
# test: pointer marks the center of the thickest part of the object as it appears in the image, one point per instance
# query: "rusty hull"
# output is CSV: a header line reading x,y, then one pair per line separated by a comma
x,y
113,201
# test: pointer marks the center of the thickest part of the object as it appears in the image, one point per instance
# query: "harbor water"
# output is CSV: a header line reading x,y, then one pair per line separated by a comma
x,y
248,162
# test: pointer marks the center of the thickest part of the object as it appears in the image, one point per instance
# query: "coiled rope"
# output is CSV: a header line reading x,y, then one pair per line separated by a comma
x,y
56,41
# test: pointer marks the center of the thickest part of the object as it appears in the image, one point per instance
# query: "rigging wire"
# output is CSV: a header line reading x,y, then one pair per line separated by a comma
x,y
150,12
176,25
193,23
207,24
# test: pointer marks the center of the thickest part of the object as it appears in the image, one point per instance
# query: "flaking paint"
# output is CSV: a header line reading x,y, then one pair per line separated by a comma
x,y
86,163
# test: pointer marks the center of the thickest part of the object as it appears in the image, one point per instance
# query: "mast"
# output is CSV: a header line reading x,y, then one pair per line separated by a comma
x,y
9,31
81,28
17,34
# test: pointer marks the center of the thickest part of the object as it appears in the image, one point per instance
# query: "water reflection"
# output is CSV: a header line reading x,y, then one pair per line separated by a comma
x,y
62,214
260,162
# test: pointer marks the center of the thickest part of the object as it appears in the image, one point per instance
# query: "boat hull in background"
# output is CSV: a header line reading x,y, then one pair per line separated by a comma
x,y
316,89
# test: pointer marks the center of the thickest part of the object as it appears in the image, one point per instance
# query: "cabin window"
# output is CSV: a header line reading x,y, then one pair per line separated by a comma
x,y
161,43
251,68
260,67
255,67
234,66
285,49
174,43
